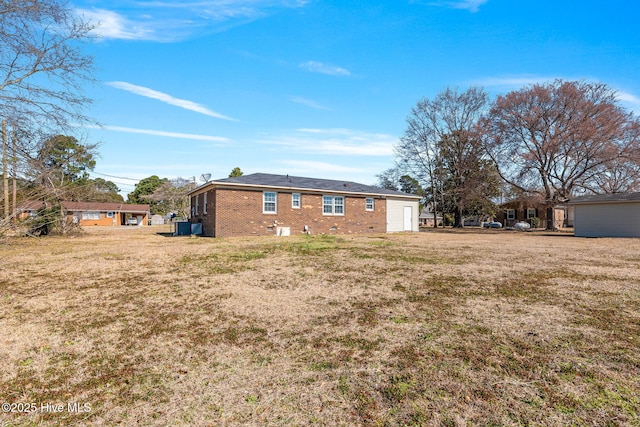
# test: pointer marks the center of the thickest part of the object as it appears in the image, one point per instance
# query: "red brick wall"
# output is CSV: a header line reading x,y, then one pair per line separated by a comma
x,y
239,213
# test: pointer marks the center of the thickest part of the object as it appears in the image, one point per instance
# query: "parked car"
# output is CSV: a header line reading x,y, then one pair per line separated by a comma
x,y
132,221
492,224
522,226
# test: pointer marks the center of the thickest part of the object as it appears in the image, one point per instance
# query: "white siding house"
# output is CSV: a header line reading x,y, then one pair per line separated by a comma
x,y
402,214
607,215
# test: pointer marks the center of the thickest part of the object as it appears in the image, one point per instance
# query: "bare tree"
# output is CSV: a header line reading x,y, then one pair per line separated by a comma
x,y
430,122
42,72
172,196
554,139
42,66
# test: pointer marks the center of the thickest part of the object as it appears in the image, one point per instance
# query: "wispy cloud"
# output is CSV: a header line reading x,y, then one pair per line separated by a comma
x,y
514,81
631,100
309,167
162,133
308,102
168,99
343,142
322,68
171,21
472,6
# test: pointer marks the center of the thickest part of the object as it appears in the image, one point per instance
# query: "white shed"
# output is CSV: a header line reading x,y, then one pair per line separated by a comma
x,y
607,215
402,213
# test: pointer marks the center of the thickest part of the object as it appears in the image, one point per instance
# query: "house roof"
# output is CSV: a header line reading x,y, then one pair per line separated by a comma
x,y
87,206
105,206
33,205
606,198
265,180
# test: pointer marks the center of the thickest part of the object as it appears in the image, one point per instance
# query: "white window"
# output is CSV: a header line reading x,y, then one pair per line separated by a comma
x,y
333,205
110,214
295,200
269,202
90,215
204,204
197,203
368,203
511,214
531,213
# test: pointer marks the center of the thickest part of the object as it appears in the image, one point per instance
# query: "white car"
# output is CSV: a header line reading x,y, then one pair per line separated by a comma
x,y
492,224
522,226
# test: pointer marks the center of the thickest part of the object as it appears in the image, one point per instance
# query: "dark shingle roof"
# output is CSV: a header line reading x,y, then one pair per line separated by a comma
x,y
297,182
606,198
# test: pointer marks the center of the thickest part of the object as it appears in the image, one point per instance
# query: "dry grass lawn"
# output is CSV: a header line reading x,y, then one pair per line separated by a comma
x,y
487,328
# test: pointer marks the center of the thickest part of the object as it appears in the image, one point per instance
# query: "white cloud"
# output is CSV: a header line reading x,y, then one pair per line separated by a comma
x,y
322,68
308,102
168,99
313,168
514,81
163,133
169,21
472,6
631,100
111,25
343,142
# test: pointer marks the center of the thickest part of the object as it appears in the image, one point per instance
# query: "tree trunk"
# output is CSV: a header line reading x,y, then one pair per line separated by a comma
x,y
551,224
457,218
5,175
14,212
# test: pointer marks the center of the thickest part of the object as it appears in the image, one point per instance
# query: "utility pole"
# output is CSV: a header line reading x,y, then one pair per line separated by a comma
x,y
5,175
14,212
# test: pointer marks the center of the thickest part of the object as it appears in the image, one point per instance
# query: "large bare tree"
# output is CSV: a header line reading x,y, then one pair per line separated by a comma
x,y
43,70
557,138
437,127
42,64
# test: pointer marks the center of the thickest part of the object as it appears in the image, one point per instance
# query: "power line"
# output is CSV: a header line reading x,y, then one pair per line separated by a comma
x,y
113,176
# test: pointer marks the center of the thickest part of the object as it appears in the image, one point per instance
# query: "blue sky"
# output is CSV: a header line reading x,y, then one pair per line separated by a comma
x,y
322,88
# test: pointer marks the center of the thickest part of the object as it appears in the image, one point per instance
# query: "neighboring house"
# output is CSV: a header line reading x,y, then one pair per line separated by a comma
x,y
607,215
526,209
94,213
426,217
264,204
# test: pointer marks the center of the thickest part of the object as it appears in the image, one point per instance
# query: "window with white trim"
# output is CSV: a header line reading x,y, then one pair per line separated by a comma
x,y
531,213
110,214
368,203
197,203
269,202
90,215
332,205
204,204
511,213
295,200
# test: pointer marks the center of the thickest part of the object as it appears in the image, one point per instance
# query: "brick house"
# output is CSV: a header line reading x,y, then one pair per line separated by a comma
x,y
93,213
530,210
264,204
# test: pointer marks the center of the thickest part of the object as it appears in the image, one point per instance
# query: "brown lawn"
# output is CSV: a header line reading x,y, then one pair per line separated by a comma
x,y
489,328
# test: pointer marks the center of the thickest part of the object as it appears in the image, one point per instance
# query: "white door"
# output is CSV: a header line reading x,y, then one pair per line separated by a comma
x,y
408,218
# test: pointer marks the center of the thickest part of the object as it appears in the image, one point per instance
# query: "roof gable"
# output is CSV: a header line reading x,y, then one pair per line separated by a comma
x,y
303,183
